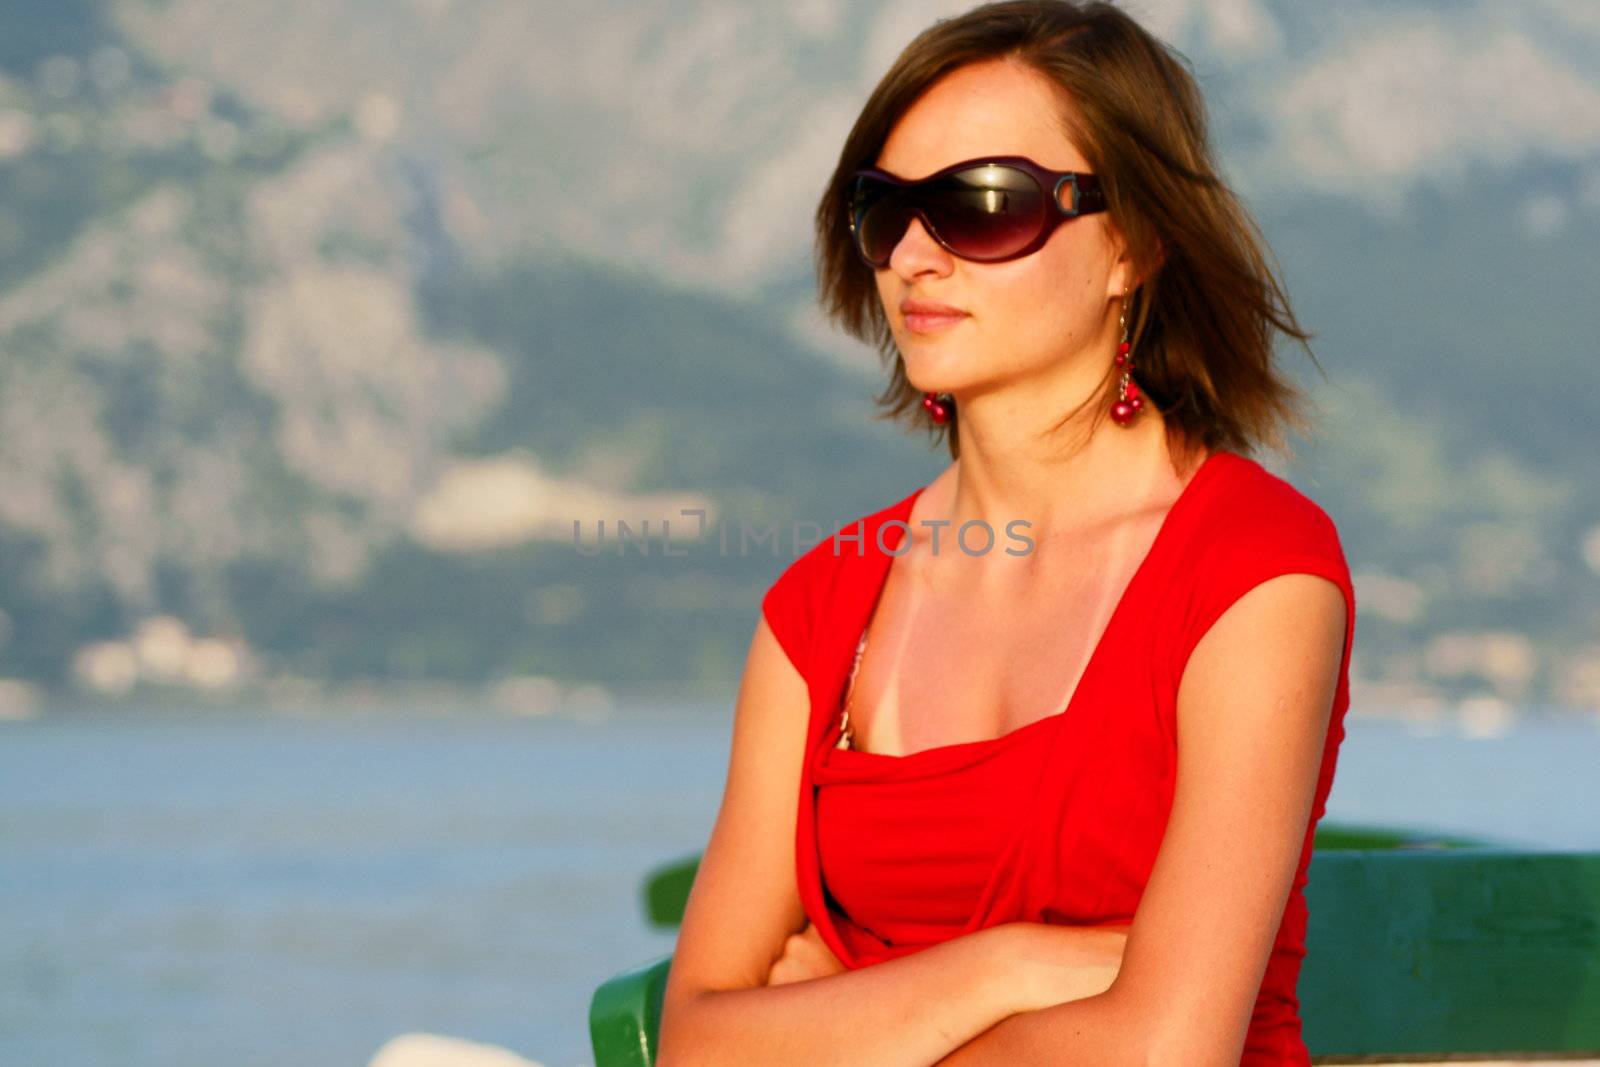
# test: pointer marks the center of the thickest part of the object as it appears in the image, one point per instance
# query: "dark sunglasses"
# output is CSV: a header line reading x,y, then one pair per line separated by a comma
x,y
986,210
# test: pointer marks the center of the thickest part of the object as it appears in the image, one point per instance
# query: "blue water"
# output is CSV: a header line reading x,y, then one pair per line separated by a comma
x,y
200,889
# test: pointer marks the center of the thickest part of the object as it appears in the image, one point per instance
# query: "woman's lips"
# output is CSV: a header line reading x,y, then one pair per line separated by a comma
x,y
932,321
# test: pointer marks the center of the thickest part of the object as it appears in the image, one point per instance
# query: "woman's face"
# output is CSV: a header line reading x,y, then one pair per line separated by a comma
x,y
1044,314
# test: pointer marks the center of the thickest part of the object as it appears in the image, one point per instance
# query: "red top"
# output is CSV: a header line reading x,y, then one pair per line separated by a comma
x,y
1058,820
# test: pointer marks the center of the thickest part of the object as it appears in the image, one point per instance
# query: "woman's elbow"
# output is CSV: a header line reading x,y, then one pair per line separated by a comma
x,y
674,1034
1190,1047
681,1037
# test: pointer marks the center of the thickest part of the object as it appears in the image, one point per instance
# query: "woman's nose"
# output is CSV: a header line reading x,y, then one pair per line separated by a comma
x,y
918,250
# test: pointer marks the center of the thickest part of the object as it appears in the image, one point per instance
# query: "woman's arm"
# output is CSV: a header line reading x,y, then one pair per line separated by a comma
x,y
904,1012
1079,961
1253,712
717,1008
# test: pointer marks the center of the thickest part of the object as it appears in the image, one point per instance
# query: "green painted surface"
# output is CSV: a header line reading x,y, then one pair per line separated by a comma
x,y
1464,950
625,1016
666,891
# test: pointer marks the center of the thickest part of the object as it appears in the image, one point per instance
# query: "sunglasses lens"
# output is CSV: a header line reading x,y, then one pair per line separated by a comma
x,y
983,213
882,212
988,212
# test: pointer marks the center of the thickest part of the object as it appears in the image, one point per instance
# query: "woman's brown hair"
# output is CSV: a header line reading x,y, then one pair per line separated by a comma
x,y
1204,315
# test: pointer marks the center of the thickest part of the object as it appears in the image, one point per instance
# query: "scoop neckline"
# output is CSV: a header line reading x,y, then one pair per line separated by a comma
x,y
883,561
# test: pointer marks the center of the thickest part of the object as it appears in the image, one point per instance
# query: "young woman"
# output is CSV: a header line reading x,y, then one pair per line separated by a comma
x,y
1044,794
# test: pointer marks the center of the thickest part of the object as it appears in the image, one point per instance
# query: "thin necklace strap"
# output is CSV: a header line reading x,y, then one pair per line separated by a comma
x,y
846,734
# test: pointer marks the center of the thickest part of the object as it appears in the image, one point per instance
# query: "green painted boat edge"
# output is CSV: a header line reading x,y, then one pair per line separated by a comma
x,y
625,1015
666,890
1331,837
1481,950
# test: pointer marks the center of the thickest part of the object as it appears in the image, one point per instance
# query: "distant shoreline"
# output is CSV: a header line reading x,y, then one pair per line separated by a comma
x,y
537,697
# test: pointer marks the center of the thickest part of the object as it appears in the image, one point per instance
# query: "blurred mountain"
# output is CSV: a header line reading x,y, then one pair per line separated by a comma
x,y
321,324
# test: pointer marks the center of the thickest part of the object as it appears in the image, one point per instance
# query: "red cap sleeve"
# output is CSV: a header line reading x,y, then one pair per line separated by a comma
x,y
787,607
1280,532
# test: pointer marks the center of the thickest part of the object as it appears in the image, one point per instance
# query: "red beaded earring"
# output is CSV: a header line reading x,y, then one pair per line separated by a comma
x,y
938,409
1129,402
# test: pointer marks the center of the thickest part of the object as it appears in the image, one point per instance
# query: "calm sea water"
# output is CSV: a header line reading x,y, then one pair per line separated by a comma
x,y
200,890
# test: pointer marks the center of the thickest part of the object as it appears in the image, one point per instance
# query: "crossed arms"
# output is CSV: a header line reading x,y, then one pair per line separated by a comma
x,y
1253,710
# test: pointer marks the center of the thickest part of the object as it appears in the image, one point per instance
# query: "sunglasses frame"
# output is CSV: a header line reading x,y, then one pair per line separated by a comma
x,y
1087,198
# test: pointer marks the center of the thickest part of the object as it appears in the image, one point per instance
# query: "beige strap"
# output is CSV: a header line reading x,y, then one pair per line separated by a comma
x,y
846,735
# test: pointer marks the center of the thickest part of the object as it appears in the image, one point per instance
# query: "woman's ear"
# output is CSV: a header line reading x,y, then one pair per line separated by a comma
x,y
1124,278
1125,273
1139,277
1161,258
